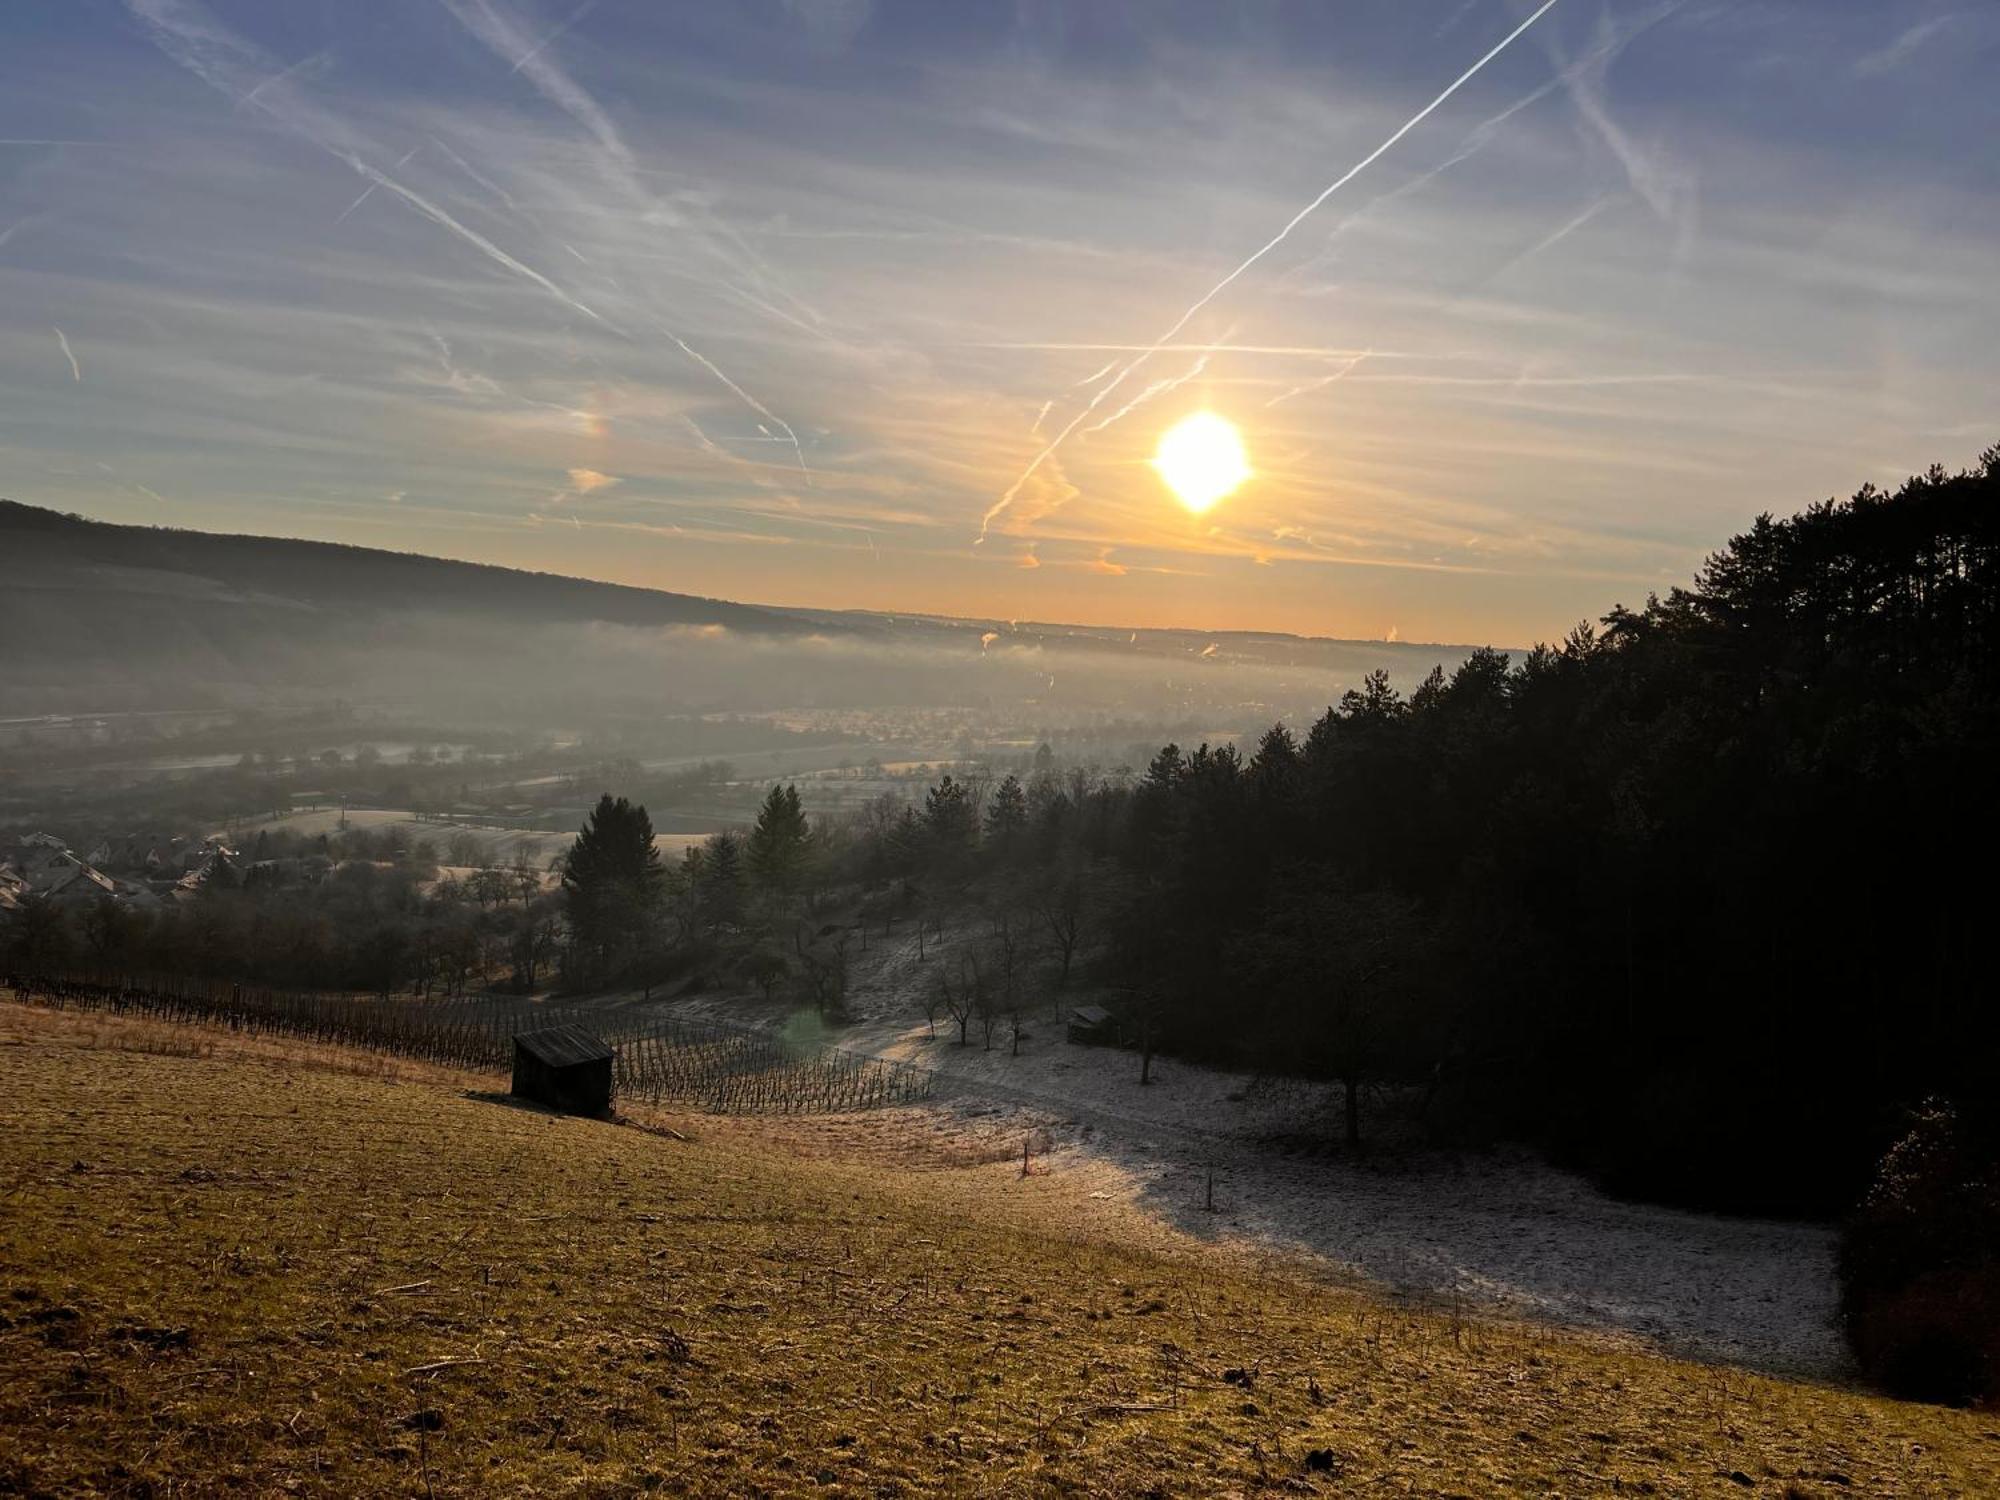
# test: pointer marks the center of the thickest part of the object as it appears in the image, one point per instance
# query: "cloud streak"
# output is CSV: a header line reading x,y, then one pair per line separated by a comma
x,y
75,370
1485,355
1260,252
218,57
1906,46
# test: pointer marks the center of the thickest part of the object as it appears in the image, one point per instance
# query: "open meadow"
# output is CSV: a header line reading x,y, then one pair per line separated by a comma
x,y
261,1266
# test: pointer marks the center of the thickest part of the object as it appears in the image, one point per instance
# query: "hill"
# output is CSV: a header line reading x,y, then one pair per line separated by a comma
x,y
107,618
121,613
232,1264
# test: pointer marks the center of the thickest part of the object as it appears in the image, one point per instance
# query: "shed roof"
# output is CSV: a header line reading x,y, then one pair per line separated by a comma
x,y
562,1046
1089,1015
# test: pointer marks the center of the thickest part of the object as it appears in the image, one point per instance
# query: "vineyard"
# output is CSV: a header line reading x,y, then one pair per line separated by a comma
x,y
741,1071
721,1068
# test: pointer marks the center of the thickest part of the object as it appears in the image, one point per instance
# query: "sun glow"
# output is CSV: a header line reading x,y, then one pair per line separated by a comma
x,y
1201,458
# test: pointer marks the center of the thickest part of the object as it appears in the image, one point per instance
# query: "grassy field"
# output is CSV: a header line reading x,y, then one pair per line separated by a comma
x,y
255,1267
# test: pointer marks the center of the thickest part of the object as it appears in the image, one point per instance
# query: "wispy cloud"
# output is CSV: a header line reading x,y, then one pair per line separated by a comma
x,y
75,370
1258,254
1666,185
814,302
1157,388
1907,45
1320,384
220,58
508,36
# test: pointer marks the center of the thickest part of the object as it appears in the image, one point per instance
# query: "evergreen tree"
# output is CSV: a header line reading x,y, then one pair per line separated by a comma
x,y
612,883
719,881
1007,817
948,817
775,852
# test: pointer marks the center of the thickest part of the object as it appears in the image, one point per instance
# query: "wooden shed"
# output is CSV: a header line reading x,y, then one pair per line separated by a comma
x,y
564,1067
1094,1026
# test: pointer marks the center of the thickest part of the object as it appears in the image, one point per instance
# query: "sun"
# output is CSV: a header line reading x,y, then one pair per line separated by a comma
x,y
1201,458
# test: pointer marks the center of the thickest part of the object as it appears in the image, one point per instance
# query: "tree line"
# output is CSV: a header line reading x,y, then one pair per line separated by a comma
x,y
1694,897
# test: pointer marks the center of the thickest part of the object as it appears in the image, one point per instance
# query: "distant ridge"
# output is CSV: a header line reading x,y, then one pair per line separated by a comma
x,y
103,616
47,550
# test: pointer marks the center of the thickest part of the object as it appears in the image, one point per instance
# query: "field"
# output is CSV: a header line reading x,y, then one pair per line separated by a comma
x,y
260,1266
501,845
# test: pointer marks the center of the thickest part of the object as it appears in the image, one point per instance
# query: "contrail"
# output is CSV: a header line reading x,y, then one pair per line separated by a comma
x,y
744,396
75,370
466,167
527,57
1320,384
1049,405
1157,388
1557,237
506,38
1263,250
471,236
216,56
707,446
368,191
280,77
1303,351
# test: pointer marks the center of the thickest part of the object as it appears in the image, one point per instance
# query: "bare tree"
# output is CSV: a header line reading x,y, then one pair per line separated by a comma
x,y
826,968
1060,903
1012,952
527,879
965,998
989,1016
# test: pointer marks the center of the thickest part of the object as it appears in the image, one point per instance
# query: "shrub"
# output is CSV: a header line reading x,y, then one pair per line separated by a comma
x,y
1920,1265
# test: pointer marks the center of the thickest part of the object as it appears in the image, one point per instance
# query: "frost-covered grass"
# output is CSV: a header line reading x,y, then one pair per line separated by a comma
x,y
1500,1230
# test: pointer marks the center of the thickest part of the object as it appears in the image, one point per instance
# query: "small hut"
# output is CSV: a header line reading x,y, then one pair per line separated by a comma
x,y
1093,1026
564,1067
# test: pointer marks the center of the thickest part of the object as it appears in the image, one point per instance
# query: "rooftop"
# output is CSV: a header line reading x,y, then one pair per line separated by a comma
x,y
562,1046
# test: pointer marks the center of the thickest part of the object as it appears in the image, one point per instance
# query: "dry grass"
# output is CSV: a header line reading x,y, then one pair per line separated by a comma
x,y
249,1268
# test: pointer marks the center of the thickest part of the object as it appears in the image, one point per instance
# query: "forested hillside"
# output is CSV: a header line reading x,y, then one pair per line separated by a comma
x,y
1695,898
1699,897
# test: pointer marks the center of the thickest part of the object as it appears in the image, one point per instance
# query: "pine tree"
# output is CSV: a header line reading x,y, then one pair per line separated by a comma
x,y
776,849
612,882
719,881
948,815
1006,816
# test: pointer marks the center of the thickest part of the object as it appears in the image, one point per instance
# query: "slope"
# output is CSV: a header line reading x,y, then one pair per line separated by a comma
x,y
229,1267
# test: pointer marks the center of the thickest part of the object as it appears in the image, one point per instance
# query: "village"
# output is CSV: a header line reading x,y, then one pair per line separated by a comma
x,y
141,872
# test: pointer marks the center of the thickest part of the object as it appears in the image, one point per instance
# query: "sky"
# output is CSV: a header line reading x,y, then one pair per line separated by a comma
x,y
886,303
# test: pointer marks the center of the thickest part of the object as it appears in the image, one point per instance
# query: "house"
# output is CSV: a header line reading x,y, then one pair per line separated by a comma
x,y
45,866
1094,1026
564,1067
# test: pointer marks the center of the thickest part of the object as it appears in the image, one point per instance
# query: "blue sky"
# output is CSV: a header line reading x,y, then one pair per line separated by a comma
x,y
850,303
